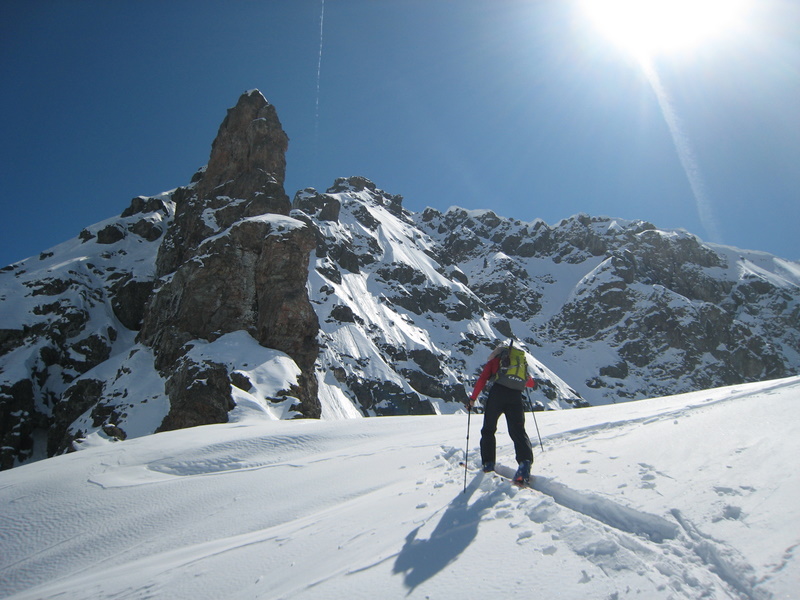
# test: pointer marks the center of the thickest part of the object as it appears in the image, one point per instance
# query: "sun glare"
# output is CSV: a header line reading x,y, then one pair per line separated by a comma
x,y
651,28
647,28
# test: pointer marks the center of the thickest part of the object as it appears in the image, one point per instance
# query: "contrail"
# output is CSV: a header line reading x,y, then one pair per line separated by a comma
x,y
319,66
685,154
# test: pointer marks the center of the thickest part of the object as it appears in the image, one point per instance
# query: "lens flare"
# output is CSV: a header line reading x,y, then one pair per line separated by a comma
x,y
686,155
646,28
650,28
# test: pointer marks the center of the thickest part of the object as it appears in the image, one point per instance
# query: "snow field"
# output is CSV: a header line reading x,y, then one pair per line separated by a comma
x,y
691,496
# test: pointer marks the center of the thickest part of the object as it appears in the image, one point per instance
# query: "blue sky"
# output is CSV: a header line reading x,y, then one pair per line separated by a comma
x,y
521,107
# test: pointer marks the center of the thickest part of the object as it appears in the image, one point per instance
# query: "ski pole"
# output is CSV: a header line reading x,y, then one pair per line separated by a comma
x,y
533,412
466,452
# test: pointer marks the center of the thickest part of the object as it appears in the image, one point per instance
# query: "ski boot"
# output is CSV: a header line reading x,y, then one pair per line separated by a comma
x,y
523,474
488,467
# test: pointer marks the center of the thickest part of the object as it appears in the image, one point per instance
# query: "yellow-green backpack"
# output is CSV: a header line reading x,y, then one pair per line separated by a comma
x,y
513,371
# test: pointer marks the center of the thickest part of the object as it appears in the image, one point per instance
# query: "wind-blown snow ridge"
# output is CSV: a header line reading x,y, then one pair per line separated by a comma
x,y
684,497
626,519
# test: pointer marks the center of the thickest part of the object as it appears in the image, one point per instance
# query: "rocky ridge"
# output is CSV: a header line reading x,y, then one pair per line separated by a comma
x,y
401,333
626,310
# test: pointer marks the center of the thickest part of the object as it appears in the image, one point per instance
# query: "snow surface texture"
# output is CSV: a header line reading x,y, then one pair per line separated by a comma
x,y
691,496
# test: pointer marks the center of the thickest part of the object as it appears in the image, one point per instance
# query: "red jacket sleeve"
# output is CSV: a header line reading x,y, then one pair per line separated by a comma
x,y
489,369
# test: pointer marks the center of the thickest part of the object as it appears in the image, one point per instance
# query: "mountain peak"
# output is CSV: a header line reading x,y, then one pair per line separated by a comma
x,y
249,151
244,178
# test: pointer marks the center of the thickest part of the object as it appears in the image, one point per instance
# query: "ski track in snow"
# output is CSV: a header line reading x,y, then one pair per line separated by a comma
x,y
628,536
642,500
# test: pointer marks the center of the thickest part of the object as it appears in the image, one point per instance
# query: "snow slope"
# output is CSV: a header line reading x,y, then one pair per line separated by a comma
x,y
401,332
691,496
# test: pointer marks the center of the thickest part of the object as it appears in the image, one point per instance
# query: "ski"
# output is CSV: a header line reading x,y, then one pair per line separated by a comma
x,y
505,473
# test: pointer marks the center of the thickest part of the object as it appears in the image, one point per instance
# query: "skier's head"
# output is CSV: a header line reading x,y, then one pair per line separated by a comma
x,y
504,345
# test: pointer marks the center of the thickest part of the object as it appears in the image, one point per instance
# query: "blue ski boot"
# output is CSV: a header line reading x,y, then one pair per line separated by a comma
x,y
488,467
523,474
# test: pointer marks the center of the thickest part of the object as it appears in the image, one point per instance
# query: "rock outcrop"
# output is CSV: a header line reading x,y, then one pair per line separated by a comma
x,y
183,268
630,311
233,260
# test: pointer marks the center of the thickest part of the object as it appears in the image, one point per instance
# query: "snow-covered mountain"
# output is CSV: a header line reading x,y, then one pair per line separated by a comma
x,y
623,310
401,332
223,293
682,498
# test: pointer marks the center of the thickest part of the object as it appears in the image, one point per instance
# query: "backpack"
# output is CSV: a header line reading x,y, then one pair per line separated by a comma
x,y
513,371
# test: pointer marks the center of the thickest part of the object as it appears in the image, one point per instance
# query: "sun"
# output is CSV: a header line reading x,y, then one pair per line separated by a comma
x,y
647,28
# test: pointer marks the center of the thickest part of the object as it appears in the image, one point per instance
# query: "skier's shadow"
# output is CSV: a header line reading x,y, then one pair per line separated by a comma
x,y
422,559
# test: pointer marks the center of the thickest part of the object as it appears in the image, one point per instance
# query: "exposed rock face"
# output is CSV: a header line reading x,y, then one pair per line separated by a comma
x,y
199,395
68,312
645,313
402,332
244,178
233,260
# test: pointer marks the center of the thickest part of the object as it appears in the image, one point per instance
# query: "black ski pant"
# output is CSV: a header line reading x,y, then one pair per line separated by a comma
x,y
503,400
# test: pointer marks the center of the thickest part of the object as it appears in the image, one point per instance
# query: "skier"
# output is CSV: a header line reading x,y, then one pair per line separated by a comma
x,y
508,368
